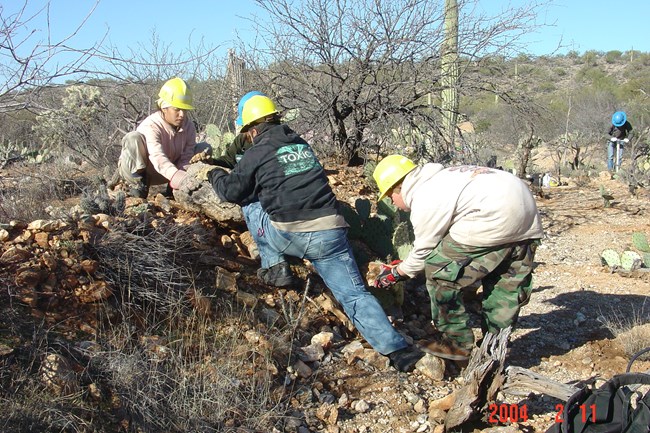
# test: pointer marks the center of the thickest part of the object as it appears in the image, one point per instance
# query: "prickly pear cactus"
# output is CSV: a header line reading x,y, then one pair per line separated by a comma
x,y
402,240
630,260
640,241
377,235
610,258
353,220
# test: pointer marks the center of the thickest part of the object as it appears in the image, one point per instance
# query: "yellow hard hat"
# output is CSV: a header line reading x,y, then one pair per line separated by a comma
x,y
177,93
390,171
256,107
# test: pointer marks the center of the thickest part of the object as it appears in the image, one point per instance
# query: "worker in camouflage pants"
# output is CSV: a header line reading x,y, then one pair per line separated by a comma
x,y
504,271
473,226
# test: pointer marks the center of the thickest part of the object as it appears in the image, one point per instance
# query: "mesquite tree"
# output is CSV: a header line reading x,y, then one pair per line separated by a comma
x,y
363,71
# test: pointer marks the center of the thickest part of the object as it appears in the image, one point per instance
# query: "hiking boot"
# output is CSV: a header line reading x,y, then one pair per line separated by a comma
x,y
447,350
404,360
139,187
279,275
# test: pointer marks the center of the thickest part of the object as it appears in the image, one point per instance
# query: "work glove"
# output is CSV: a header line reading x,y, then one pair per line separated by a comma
x,y
389,275
204,156
613,139
626,140
201,170
189,184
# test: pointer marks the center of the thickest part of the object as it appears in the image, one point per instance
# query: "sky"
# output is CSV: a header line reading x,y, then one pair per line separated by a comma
x,y
579,25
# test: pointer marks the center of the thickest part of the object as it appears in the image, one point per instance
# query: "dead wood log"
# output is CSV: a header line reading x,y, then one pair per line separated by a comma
x,y
521,381
483,377
204,200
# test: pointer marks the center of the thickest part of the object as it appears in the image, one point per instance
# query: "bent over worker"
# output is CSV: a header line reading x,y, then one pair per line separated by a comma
x,y
473,225
290,200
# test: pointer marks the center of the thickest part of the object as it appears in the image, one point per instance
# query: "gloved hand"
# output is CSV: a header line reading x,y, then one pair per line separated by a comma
x,y
626,140
200,170
613,139
204,156
389,275
189,184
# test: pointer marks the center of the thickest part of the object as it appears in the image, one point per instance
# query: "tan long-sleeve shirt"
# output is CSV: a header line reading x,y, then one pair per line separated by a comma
x,y
476,206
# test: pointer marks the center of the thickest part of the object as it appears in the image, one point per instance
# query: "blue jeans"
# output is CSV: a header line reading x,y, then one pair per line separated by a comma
x,y
330,253
611,151
253,214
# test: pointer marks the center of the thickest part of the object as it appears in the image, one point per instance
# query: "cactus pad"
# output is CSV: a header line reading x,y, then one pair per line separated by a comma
x,y
630,260
610,258
640,241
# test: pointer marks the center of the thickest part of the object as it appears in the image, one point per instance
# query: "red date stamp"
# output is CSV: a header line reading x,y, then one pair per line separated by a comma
x,y
586,413
504,413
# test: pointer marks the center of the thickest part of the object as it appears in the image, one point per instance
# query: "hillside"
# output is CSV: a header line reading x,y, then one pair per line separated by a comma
x,y
153,319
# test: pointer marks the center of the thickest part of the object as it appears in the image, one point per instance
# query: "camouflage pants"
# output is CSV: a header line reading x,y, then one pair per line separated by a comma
x,y
504,271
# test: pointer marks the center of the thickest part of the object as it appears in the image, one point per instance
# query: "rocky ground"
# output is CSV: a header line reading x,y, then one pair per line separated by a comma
x,y
564,333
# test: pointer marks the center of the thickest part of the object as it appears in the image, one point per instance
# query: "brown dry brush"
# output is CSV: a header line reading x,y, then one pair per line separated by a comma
x,y
157,364
191,381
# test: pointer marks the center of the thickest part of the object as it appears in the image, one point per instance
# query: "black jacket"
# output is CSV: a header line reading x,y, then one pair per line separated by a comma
x,y
234,152
282,171
620,132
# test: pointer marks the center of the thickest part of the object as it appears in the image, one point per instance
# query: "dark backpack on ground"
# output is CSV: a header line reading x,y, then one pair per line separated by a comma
x,y
612,408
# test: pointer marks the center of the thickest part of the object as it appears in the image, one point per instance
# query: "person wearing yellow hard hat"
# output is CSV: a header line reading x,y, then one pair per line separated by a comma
x,y
286,194
161,147
473,226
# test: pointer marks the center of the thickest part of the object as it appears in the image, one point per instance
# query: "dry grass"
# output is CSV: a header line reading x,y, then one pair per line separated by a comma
x,y
158,364
27,190
631,328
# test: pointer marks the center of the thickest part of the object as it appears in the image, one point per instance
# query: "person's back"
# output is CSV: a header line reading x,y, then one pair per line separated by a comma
x,y
297,216
282,170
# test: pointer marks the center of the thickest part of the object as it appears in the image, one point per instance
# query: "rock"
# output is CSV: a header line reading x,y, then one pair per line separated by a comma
x,y
328,413
42,239
432,367
302,369
14,255
25,237
323,339
246,238
29,278
311,353
443,403
93,292
4,235
226,242
205,200
89,266
46,225
58,375
246,298
225,280
361,406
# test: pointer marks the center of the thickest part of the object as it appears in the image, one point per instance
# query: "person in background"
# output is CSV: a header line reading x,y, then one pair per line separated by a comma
x,y
161,147
289,198
620,130
473,225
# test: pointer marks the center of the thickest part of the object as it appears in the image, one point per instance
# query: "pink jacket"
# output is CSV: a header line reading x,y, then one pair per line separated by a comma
x,y
169,150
